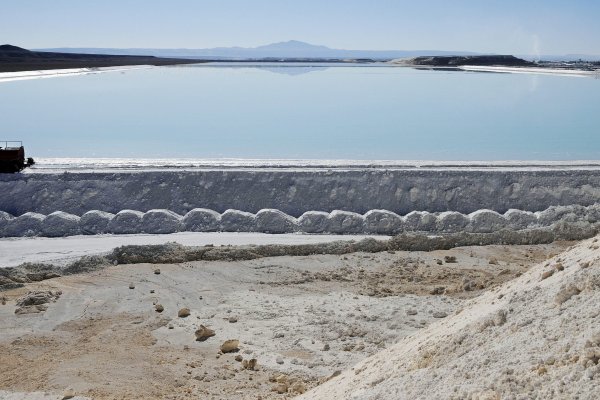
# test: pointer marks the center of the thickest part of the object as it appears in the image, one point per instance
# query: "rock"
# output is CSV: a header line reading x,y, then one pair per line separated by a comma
x,y
239,358
279,360
326,347
345,222
202,220
233,320
298,387
450,259
411,312
161,221
69,393
238,221
126,222
157,271
275,221
184,313
36,302
230,346
439,314
131,286
314,222
547,274
95,222
281,388
203,333
159,308
252,364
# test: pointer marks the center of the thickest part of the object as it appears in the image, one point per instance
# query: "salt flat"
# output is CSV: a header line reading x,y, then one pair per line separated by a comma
x,y
304,319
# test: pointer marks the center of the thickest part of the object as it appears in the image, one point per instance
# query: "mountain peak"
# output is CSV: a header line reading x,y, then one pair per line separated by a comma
x,y
293,45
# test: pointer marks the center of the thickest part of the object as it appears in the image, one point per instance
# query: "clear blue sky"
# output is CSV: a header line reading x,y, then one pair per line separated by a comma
x,y
503,26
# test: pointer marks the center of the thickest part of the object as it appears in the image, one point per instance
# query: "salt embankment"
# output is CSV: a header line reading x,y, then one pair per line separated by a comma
x,y
295,191
534,337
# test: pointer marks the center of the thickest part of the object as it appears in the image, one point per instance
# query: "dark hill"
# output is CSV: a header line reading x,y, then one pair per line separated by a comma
x,y
456,61
13,59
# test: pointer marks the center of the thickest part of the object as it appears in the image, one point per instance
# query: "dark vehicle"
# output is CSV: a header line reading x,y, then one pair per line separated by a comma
x,y
12,157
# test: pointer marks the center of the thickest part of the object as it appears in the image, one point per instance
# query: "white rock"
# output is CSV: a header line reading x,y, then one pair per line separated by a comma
x,y
383,222
314,222
126,221
161,221
238,221
59,224
95,222
274,221
202,220
346,222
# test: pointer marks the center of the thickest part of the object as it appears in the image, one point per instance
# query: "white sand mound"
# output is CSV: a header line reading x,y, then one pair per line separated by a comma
x,y
383,222
452,221
274,221
519,219
95,222
314,222
59,224
486,221
126,221
346,222
161,221
202,220
537,336
420,221
28,224
238,221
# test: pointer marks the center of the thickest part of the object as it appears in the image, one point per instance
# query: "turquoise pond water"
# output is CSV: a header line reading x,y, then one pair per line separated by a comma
x,y
343,112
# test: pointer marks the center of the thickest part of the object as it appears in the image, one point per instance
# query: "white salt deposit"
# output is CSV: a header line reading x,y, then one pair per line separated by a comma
x,y
383,222
60,224
275,221
161,221
314,222
202,220
536,337
346,222
126,221
95,222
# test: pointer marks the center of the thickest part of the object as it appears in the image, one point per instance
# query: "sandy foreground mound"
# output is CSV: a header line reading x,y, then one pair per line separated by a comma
x,y
537,336
303,319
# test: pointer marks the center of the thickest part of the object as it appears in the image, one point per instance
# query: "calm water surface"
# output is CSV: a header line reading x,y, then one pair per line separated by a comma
x,y
346,112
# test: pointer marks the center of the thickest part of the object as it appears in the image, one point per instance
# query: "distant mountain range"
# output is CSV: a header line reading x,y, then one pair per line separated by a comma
x,y
289,49
296,49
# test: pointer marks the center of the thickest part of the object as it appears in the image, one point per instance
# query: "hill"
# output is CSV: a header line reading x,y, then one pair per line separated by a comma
x,y
13,59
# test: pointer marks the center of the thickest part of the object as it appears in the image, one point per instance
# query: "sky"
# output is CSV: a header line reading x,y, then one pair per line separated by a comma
x,y
488,26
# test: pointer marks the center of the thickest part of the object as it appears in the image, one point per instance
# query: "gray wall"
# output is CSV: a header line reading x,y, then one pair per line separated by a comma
x,y
295,192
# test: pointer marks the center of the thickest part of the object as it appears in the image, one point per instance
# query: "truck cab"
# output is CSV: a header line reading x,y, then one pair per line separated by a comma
x,y
12,157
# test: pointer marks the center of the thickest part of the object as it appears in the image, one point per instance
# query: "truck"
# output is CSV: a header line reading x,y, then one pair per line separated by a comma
x,y
12,157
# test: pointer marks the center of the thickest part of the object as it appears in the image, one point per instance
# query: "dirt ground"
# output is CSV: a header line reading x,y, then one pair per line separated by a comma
x,y
303,319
